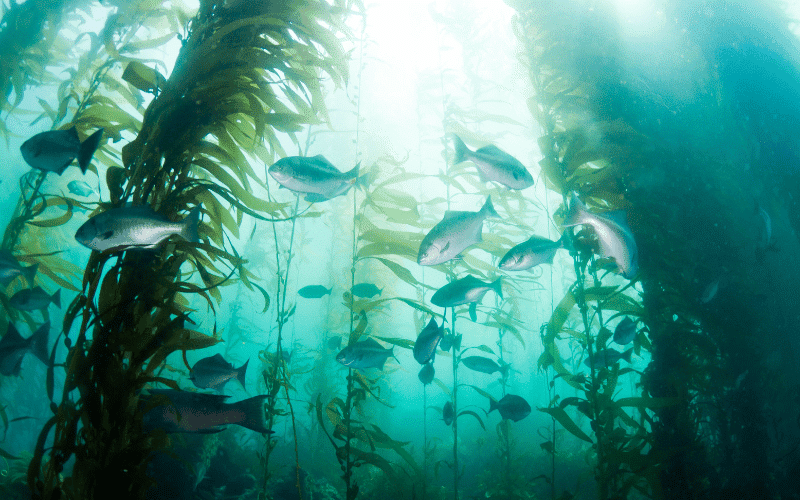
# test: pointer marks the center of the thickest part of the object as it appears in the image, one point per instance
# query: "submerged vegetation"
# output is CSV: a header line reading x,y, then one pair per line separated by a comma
x,y
639,340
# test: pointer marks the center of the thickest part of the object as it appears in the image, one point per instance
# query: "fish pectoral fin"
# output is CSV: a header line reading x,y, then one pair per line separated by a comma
x,y
473,314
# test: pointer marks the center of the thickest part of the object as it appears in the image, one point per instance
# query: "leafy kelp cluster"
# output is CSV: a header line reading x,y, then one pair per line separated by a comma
x,y
603,308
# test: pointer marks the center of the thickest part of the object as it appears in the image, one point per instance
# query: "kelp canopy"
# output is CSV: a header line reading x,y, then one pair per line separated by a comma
x,y
681,115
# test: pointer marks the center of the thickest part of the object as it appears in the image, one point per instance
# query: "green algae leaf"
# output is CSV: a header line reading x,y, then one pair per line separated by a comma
x,y
561,416
647,403
9,456
478,418
482,392
142,77
265,294
399,271
404,343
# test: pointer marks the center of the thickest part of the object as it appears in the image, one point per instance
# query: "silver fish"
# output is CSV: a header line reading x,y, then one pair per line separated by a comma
x,y
511,407
135,227
625,331
456,232
55,150
608,357
10,268
314,176
494,164
616,238
13,348
463,291
80,188
34,299
428,339
531,253
426,374
214,372
364,354
447,413
179,411
710,292
483,365
313,291
366,290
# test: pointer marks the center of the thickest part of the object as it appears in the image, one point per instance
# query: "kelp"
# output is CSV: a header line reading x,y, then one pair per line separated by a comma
x,y
235,68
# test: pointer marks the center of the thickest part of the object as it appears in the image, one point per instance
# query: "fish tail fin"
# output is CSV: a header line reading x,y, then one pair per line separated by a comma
x,y
241,373
460,148
504,370
328,291
255,414
627,355
576,213
56,298
497,286
88,147
488,208
492,405
30,273
359,181
189,231
39,343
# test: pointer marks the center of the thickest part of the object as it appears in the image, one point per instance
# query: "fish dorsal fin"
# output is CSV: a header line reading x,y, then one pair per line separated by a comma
x,y
494,151
323,163
471,280
449,214
371,343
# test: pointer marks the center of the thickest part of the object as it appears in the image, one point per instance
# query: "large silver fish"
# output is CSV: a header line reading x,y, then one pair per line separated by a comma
x,y
511,407
314,176
13,348
34,299
616,238
179,411
428,339
55,150
535,251
214,372
463,291
10,268
364,354
494,164
135,227
456,232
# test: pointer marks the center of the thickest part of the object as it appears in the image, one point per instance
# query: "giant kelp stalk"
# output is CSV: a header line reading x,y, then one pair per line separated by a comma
x,y
236,67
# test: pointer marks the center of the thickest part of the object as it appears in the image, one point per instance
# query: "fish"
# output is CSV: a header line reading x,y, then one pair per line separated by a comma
x,y
449,341
34,299
426,373
484,365
616,238
13,348
608,357
494,164
531,253
10,268
465,290
134,227
447,413
428,339
366,290
364,354
511,407
314,291
625,331
710,292
80,188
335,342
214,372
181,411
55,150
456,232
315,177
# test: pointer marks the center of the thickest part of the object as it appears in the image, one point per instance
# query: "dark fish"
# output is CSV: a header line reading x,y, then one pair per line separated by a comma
x,y
615,237
214,372
314,176
34,299
134,227
335,342
531,253
13,348
447,413
55,150
483,365
202,413
366,290
456,232
608,357
625,331
10,268
428,339
463,291
80,188
426,373
314,291
364,354
446,342
511,407
494,164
